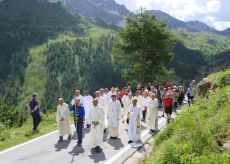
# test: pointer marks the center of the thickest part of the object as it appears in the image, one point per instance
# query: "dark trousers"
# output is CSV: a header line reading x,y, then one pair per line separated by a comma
x,y
190,100
144,114
36,120
79,128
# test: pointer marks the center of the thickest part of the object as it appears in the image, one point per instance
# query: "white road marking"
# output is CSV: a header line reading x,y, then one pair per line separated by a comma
x,y
26,143
126,148
119,154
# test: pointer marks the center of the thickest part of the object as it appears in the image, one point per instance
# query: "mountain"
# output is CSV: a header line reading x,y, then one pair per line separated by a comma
x,y
173,23
25,24
225,32
113,13
106,10
45,48
31,51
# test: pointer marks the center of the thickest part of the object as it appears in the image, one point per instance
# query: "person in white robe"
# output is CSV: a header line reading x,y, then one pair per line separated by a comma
x,y
77,94
88,100
101,103
127,105
139,99
114,116
134,130
63,119
152,113
144,105
96,118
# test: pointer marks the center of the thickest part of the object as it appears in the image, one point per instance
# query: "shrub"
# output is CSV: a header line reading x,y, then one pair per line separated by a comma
x,y
10,116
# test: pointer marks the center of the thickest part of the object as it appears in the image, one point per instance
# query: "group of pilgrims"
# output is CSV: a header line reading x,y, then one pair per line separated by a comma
x,y
109,108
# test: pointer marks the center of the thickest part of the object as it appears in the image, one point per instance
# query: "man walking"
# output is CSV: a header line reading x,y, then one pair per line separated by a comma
x,y
79,116
96,118
152,114
35,112
62,119
168,104
114,116
134,130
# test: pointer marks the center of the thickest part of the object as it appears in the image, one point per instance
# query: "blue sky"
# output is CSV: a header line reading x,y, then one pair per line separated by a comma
x,y
215,13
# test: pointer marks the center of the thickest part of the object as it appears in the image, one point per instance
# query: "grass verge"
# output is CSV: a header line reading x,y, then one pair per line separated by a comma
x,y
198,134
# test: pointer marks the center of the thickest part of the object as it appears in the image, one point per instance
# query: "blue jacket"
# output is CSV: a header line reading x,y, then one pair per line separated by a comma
x,y
81,111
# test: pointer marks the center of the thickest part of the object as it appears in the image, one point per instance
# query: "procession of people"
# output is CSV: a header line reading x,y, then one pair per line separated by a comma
x,y
109,109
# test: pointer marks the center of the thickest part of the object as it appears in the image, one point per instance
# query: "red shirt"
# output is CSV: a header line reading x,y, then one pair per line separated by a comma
x,y
167,101
121,94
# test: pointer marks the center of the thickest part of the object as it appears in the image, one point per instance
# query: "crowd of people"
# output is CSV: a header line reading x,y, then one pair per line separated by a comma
x,y
109,108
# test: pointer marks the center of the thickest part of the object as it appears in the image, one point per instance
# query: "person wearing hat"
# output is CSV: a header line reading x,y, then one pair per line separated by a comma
x,y
62,118
168,104
114,116
34,108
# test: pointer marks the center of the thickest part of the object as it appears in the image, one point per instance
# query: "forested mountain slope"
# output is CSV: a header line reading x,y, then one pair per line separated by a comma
x,y
25,24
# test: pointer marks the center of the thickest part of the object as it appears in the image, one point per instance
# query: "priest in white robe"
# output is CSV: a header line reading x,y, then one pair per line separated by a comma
x,y
127,105
139,99
63,120
114,116
88,100
134,129
96,118
77,94
102,104
152,113
144,105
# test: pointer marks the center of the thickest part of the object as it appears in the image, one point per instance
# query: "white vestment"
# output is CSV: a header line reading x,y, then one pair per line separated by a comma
x,y
88,100
63,126
106,99
81,100
134,130
97,114
152,114
127,102
139,101
145,102
102,104
114,116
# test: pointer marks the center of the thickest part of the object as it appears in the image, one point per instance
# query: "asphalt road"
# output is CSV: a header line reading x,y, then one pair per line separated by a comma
x,y
46,150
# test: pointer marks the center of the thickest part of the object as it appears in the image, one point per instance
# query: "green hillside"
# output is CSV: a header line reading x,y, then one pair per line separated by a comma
x,y
207,43
61,65
199,134
25,24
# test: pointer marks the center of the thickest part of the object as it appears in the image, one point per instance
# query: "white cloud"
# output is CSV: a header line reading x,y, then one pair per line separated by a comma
x,y
183,9
221,25
213,6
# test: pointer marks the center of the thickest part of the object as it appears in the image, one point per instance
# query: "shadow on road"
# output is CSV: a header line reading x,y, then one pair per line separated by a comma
x,y
97,157
143,127
62,145
76,151
117,144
